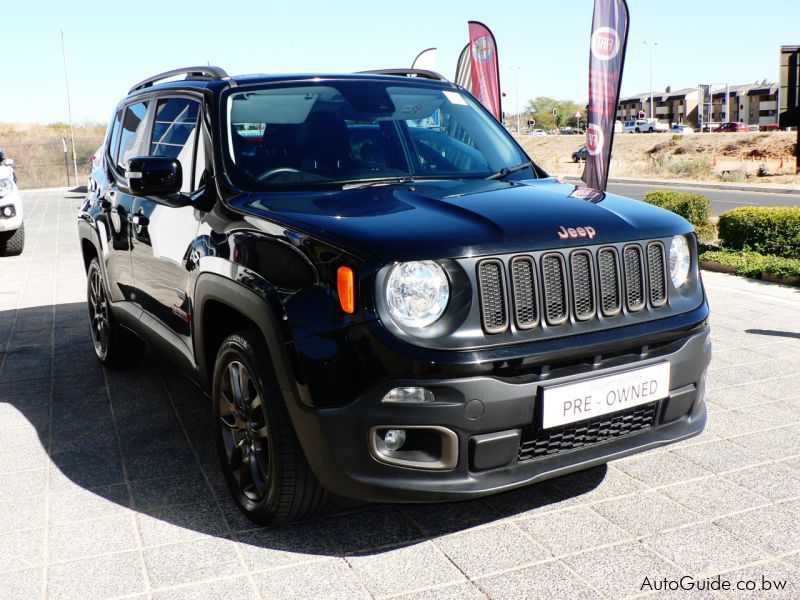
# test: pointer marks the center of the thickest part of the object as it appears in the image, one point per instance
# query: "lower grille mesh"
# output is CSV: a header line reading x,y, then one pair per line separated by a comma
x,y
537,443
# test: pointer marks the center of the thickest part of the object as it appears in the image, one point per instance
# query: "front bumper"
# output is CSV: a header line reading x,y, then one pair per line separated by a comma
x,y
337,441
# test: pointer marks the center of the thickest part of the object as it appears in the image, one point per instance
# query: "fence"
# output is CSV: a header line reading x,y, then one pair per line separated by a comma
x,y
45,164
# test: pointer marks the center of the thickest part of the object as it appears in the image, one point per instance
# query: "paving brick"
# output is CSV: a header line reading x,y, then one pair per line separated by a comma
x,y
548,580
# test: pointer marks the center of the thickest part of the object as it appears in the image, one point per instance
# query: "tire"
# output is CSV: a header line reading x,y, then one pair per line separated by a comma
x,y
271,485
114,345
637,130
12,244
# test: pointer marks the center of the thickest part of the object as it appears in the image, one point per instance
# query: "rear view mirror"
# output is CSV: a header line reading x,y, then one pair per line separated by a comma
x,y
154,176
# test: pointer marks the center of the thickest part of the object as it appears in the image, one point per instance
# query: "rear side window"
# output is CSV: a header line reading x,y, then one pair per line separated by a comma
x,y
133,134
114,141
175,134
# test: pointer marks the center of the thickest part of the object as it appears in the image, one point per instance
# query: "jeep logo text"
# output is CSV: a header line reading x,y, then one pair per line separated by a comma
x,y
576,232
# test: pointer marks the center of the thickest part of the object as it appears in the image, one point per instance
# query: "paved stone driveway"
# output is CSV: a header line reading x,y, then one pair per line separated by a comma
x,y
109,486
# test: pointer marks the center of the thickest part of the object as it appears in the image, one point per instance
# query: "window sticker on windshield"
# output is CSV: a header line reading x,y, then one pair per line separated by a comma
x,y
411,108
454,97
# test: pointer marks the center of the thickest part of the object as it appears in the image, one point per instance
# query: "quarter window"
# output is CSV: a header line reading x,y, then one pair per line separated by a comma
x,y
132,137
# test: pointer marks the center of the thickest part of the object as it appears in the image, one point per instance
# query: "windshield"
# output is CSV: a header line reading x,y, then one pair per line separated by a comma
x,y
336,132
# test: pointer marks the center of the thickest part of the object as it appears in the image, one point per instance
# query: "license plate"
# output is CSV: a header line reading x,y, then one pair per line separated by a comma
x,y
599,396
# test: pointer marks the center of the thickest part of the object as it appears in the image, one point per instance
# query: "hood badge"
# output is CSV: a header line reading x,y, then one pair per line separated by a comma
x,y
576,232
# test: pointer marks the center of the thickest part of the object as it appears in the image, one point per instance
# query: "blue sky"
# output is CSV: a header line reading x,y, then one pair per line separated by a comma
x,y
543,45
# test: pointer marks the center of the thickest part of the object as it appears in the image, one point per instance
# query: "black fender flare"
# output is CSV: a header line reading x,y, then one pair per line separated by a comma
x,y
255,307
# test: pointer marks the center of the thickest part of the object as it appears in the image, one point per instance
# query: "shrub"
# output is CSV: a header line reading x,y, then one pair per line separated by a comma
x,y
677,137
753,264
733,176
765,229
695,208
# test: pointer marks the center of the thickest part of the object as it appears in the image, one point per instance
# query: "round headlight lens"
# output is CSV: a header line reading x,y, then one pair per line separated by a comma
x,y
417,293
5,186
680,260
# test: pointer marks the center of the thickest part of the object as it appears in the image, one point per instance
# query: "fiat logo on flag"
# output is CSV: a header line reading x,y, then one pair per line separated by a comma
x,y
482,48
605,43
594,139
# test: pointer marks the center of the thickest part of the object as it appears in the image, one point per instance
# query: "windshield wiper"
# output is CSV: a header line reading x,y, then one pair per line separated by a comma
x,y
365,183
506,171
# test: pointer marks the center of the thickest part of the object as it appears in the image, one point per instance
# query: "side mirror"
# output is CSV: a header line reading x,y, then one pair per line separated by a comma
x,y
8,162
154,176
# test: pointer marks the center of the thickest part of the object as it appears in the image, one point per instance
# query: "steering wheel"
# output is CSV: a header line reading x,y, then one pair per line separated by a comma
x,y
277,171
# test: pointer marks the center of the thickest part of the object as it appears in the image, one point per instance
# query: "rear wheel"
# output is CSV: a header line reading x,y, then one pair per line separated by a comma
x,y
263,463
113,344
12,244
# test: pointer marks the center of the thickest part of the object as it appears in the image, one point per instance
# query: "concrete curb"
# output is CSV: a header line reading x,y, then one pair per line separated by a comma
x,y
697,184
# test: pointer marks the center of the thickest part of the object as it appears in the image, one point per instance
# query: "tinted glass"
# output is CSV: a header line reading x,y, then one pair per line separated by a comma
x,y
174,134
132,137
345,131
114,141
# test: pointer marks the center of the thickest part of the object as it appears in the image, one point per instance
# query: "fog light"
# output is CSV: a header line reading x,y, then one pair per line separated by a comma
x,y
394,439
7,211
409,394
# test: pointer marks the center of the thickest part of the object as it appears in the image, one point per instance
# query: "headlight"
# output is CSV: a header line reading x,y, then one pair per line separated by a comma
x,y
417,293
680,259
5,186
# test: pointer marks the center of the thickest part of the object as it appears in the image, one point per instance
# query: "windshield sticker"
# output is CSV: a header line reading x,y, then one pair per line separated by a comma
x,y
455,98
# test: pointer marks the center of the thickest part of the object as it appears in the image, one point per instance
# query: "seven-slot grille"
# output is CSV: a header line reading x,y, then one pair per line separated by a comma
x,y
580,284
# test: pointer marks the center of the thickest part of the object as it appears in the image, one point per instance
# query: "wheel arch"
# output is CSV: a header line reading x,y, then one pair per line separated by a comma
x,y
222,307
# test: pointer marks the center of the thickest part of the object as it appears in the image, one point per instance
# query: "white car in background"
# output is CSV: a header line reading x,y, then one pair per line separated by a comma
x,y
537,132
681,129
12,229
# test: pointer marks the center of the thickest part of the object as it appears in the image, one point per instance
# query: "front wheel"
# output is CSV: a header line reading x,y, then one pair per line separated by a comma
x,y
264,466
12,244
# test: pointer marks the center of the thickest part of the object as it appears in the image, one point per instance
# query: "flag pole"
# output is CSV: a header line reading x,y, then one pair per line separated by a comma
x,y
69,109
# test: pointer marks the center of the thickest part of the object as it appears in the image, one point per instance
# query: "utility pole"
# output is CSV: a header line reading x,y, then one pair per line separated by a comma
x,y
69,110
650,48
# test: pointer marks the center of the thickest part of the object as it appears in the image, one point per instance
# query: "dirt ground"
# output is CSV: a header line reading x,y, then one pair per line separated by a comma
x,y
731,157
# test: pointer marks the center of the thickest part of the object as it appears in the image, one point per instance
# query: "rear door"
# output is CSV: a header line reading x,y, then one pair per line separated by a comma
x,y
162,235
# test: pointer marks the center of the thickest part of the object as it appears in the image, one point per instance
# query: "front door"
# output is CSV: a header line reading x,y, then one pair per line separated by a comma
x,y
161,235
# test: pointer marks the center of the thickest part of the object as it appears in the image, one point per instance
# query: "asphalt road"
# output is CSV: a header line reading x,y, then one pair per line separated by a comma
x,y
721,200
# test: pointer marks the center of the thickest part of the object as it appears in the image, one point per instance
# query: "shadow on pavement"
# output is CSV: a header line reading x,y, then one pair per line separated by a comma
x,y
140,438
774,333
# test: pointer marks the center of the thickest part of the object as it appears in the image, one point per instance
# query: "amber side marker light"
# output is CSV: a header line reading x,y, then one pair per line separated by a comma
x,y
344,285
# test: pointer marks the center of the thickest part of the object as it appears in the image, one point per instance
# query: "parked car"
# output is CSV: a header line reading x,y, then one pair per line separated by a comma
x,y
537,132
383,311
95,164
12,226
645,126
732,127
681,129
581,154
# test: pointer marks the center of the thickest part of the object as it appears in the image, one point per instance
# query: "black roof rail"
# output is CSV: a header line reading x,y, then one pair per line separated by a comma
x,y
190,72
424,73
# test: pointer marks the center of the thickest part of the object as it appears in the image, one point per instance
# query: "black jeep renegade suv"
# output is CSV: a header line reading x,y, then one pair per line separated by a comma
x,y
381,293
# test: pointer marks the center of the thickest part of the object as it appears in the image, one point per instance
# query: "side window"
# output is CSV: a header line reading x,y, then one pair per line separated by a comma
x,y
175,133
132,136
114,141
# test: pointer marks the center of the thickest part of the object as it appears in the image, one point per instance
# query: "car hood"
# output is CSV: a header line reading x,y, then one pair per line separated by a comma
x,y
452,219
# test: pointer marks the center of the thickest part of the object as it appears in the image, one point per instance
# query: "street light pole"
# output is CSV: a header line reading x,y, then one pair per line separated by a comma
x,y
69,109
516,93
650,48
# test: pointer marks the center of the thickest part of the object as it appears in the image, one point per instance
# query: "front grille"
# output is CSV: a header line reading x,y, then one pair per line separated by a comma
x,y
493,303
634,279
523,284
537,443
575,285
657,274
582,285
555,293
609,281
